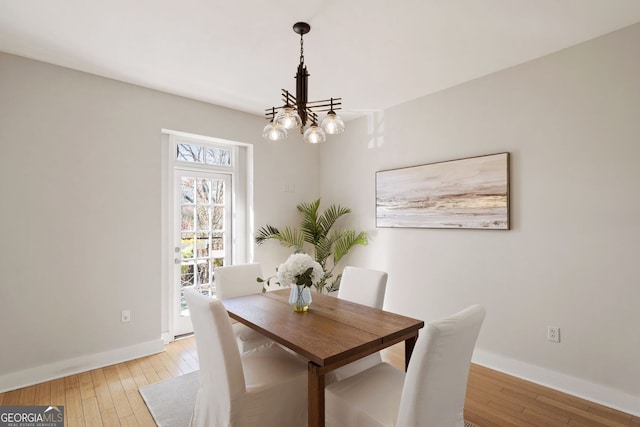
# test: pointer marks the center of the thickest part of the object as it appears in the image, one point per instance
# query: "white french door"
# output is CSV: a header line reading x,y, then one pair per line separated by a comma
x,y
202,235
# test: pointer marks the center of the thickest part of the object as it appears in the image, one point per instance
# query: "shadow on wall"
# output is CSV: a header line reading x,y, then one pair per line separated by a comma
x,y
375,128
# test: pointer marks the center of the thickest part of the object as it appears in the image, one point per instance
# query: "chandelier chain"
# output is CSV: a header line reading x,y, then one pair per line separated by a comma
x,y
301,49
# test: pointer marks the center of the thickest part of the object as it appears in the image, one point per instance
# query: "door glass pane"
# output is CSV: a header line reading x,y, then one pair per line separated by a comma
x,y
187,190
186,274
186,246
218,156
203,245
191,153
203,272
217,218
217,241
203,218
203,190
187,218
218,262
217,191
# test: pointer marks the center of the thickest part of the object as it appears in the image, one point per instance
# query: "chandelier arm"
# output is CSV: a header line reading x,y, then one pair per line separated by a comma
x,y
336,101
322,110
324,107
312,116
287,98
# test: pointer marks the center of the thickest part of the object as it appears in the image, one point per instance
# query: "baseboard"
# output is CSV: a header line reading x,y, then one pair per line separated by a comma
x,y
574,386
77,365
167,338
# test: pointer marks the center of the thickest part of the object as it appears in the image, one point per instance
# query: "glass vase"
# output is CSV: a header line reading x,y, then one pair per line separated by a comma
x,y
300,298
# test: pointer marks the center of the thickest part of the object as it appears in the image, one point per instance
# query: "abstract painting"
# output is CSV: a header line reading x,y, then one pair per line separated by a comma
x,y
465,193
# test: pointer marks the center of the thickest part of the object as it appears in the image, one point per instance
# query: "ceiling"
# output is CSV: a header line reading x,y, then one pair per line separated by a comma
x,y
239,54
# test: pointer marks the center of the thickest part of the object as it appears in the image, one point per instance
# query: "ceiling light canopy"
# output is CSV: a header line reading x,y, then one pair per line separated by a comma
x,y
297,111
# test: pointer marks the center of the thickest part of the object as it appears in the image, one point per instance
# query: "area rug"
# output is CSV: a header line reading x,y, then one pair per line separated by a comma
x,y
171,402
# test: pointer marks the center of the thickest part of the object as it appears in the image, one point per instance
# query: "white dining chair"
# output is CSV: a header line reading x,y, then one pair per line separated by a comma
x,y
430,394
367,287
266,388
238,280
363,285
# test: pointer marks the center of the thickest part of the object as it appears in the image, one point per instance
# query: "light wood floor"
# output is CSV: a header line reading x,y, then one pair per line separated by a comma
x,y
109,396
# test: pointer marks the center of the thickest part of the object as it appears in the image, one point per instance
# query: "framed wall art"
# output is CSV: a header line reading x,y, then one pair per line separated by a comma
x,y
464,193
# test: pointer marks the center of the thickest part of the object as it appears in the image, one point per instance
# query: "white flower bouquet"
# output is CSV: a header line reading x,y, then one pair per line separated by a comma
x,y
298,269
300,272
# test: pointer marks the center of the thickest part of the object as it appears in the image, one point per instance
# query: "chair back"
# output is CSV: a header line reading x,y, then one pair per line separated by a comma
x,y
363,286
237,280
221,371
436,382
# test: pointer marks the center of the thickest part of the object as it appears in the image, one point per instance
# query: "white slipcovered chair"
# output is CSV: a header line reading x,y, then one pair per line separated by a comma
x,y
238,280
266,388
367,287
363,285
430,394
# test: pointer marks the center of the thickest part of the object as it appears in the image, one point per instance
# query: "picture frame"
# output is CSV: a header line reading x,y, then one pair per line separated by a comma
x,y
468,193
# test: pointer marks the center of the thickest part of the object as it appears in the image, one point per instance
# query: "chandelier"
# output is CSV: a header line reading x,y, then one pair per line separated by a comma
x,y
297,111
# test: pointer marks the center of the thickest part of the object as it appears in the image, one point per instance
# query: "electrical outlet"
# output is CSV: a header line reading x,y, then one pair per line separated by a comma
x,y
553,333
125,316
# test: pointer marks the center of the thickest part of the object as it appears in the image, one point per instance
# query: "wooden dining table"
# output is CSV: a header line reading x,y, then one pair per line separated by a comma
x,y
332,333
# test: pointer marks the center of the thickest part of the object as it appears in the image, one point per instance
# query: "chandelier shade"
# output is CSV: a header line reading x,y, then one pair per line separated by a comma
x,y
297,111
288,117
332,123
315,134
274,131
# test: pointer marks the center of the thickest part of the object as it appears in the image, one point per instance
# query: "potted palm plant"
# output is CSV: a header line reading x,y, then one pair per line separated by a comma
x,y
317,236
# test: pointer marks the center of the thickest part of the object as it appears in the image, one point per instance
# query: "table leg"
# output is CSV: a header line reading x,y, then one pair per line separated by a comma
x,y
409,344
316,396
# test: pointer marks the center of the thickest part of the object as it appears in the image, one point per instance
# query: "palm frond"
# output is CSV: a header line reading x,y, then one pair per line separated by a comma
x,y
333,287
292,238
309,223
323,251
331,215
265,233
309,207
348,239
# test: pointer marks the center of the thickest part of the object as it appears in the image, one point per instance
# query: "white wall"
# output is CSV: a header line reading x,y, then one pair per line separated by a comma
x,y
571,122
80,211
